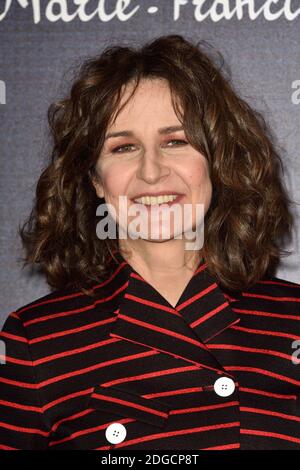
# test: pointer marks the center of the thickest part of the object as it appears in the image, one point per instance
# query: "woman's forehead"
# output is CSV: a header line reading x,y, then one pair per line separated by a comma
x,y
151,99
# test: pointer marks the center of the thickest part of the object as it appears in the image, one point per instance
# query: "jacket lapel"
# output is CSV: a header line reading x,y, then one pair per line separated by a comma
x,y
205,307
145,317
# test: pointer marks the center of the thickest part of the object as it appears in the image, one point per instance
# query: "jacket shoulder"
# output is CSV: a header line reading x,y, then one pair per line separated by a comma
x,y
273,295
56,301
279,286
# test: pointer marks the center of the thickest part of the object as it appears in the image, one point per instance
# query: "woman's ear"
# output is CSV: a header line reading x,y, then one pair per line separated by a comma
x,y
95,179
99,190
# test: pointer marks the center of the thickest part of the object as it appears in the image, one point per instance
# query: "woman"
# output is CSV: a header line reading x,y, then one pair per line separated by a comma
x,y
145,342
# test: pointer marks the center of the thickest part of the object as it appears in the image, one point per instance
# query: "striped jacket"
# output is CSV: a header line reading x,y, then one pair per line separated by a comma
x,y
129,371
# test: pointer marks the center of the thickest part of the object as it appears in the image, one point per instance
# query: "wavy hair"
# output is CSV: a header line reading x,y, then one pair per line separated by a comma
x,y
249,215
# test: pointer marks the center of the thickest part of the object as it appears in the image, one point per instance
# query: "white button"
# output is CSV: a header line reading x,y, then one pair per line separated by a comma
x,y
115,433
224,386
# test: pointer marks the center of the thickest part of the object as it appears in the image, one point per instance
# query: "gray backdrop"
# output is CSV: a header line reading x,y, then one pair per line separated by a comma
x,y
40,42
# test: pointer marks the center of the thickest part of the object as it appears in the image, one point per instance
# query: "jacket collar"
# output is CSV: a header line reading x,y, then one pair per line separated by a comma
x,y
145,317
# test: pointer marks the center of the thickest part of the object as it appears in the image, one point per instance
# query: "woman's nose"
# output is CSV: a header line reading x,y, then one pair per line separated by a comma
x,y
152,166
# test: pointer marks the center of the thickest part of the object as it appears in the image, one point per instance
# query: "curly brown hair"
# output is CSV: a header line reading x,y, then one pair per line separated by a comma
x,y
249,215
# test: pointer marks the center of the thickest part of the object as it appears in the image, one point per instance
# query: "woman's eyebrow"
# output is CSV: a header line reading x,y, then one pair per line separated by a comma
x,y
162,130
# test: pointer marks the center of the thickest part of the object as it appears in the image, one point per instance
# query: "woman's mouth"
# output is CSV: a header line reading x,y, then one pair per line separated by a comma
x,y
151,202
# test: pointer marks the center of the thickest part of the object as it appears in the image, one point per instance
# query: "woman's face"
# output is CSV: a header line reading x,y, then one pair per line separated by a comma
x,y
148,158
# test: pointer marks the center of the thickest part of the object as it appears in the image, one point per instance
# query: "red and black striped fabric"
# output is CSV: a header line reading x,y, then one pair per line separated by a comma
x,y
75,365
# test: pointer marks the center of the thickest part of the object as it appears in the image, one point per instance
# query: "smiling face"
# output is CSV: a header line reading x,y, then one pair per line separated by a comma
x,y
151,156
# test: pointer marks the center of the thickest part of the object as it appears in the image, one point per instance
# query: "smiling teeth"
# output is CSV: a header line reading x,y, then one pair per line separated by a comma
x,y
151,200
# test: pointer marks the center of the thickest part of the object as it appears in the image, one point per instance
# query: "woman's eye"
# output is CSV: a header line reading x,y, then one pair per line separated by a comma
x,y
125,147
120,147
182,142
